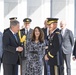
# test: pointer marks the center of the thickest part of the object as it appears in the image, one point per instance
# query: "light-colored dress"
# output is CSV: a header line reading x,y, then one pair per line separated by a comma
x,y
34,60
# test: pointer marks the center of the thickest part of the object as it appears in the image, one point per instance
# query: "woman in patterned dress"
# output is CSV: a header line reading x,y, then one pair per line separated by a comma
x,y
35,53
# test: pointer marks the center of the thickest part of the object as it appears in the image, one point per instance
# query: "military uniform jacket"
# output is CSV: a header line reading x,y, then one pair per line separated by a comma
x,y
54,52
28,37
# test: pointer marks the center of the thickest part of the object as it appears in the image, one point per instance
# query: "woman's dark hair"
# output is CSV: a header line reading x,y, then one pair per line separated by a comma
x,y
41,36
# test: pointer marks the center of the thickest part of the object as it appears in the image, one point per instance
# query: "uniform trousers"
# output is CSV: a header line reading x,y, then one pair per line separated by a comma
x,y
57,70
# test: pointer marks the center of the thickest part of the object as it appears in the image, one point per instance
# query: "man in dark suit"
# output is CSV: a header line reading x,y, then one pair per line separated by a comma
x,y
1,49
11,49
46,33
11,19
54,53
67,43
45,29
27,31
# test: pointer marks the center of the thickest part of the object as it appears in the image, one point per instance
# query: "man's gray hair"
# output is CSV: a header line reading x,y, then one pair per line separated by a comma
x,y
14,23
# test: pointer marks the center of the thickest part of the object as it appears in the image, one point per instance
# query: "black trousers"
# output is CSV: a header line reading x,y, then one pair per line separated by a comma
x,y
0,64
46,68
10,69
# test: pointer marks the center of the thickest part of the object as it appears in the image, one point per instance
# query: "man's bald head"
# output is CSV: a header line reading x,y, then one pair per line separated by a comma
x,y
62,24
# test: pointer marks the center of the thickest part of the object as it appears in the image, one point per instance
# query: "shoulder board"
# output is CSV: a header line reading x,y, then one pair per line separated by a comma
x,y
57,32
22,29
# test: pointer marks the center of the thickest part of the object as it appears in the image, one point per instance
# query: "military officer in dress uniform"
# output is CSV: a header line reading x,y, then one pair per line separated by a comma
x,y
54,51
25,32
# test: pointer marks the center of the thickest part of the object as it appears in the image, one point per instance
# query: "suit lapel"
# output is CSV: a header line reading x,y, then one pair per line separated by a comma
x,y
13,38
65,33
18,38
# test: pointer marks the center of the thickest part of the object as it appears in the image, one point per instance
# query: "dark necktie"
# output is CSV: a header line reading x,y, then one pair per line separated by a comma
x,y
16,37
27,31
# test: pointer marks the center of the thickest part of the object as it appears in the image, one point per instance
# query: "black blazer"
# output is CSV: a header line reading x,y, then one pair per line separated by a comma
x,y
45,32
10,55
